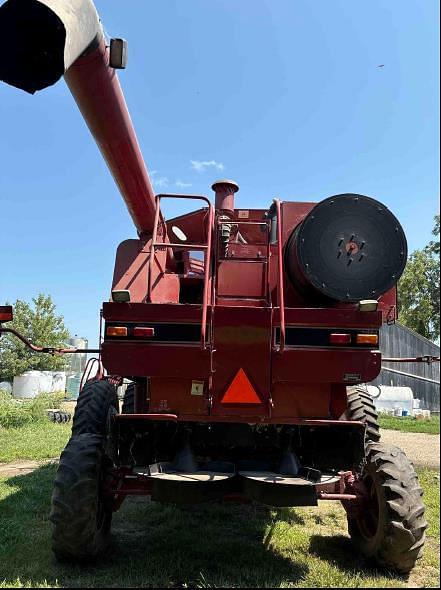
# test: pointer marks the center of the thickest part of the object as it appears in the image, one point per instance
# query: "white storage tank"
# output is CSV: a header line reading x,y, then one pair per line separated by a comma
x,y
59,381
26,386
391,399
46,381
31,383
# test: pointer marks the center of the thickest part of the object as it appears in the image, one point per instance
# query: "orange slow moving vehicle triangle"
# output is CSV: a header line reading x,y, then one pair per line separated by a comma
x,y
240,391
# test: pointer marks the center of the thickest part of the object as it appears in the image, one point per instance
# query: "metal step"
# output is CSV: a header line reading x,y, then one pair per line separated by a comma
x,y
187,487
170,485
275,489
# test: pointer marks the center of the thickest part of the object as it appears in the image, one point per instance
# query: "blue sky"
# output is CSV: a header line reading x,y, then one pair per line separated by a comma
x,y
284,96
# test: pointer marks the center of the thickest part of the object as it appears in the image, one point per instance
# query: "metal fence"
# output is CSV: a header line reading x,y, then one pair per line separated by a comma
x,y
424,379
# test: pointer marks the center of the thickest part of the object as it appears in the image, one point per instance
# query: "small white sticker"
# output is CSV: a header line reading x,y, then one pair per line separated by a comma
x,y
197,388
243,214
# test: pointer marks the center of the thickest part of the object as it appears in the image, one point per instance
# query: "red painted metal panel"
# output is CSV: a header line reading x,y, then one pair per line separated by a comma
x,y
332,317
242,340
241,279
303,400
192,224
153,312
138,359
301,365
131,272
175,395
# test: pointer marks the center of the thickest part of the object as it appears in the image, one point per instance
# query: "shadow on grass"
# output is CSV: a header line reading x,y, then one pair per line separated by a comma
x,y
340,550
153,545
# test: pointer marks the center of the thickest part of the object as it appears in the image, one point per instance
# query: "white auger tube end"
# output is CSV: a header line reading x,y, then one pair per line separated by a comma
x,y
41,39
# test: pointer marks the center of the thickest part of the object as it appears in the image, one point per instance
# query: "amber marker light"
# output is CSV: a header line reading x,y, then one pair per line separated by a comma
x,y
116,331
371,339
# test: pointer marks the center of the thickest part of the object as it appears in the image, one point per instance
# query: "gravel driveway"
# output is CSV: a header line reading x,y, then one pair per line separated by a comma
x,y
422,449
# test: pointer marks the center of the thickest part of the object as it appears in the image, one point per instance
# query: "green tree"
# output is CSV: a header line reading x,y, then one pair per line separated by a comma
x,y
419,290
40,324
433,245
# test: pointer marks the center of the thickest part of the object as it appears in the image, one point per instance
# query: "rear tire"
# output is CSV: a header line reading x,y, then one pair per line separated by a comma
x,y
390,528
361,407
80,513
97,400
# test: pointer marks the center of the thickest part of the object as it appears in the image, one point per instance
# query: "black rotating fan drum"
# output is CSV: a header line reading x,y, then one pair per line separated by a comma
x,y
348,248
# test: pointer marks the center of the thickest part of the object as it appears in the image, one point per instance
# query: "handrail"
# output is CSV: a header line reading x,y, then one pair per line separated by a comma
x,y
280,275
185,246
48,349
427,358
206,248
152,250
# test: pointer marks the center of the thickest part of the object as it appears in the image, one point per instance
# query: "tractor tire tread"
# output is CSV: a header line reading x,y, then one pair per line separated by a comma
x,y
94,402
75,500
362,407
401,539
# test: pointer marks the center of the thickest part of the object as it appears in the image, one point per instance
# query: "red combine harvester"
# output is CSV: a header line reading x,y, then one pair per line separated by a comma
x,y
247,334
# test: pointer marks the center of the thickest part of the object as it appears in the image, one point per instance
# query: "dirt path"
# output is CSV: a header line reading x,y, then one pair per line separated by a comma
x,y
22,467
422,449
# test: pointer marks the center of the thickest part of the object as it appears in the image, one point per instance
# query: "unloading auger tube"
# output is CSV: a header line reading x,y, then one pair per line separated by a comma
x,y
41,41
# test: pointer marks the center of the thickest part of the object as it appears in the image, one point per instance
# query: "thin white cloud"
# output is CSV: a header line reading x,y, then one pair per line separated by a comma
x,y
161,182
181,184
202,165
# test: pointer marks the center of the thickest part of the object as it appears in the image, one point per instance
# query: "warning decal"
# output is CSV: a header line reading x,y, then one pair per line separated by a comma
x,y
240,391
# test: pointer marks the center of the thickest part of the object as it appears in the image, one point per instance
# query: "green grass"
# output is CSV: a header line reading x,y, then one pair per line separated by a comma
x,y
16,413
409,424
41,440
25,430
203,546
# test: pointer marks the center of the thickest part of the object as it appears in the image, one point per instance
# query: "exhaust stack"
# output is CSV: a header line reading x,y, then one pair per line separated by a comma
x,y
41,41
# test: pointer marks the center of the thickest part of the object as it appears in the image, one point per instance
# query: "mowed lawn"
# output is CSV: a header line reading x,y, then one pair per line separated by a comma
x,y
212,545
409,424
42,440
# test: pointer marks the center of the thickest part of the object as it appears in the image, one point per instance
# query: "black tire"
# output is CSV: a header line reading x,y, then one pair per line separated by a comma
x,y
128,405
96,400
390,528
361,406
81,516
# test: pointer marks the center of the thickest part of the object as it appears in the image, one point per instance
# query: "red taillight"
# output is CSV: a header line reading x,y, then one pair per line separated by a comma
x,y
340,338
143,332
116,331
